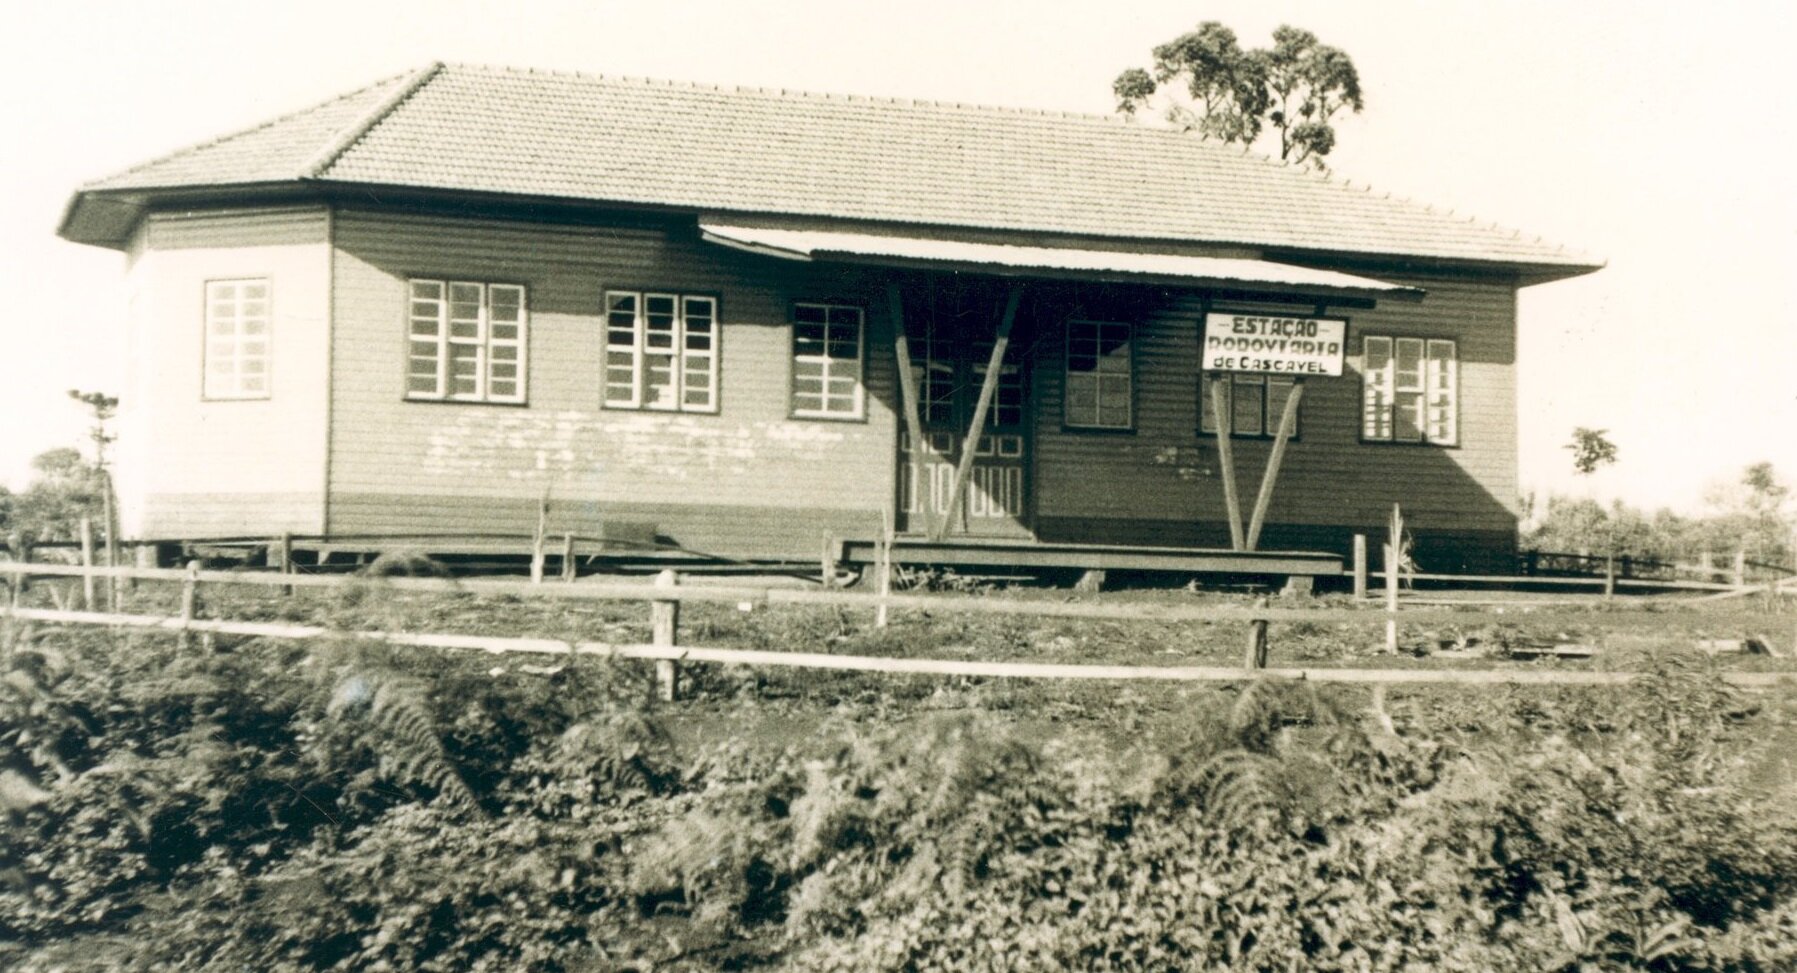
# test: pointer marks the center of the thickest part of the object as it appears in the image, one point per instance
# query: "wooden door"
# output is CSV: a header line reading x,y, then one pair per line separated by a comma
x,y
995,499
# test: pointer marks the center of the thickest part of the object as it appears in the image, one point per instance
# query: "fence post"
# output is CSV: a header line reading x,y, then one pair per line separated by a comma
x,y
88,586
1610,577
1359,567
190,603
536,549
1256,657
1741,568
664,623
827,562
883,565
1391,579
569,571
25,554
21,551
286,549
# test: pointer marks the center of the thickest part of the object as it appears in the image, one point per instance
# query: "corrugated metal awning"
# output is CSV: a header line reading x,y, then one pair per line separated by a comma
x,y
1057,262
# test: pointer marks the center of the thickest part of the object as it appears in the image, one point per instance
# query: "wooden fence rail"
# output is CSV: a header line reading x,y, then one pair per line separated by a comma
x,y
669,654
666,595
757,596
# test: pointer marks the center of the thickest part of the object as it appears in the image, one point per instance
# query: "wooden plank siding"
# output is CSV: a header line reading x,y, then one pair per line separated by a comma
x,y
188,467
746,481
1160,481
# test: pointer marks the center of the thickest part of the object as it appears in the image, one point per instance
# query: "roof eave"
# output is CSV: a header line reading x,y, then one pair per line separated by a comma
x,y
108,217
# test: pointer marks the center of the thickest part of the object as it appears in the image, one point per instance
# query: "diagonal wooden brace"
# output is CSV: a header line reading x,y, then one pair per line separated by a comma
x,y
1288,421
988,387
901,344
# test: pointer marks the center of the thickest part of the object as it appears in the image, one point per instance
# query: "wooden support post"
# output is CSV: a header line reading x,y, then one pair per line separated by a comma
x,y
1740,574
988,388
1393,558
920,445
883,565
664,624
1256,657
1288,422
89,583
1091,582
826,562
568,568
1219,398
1610,577
190,603
1360,572
1706,565
537,548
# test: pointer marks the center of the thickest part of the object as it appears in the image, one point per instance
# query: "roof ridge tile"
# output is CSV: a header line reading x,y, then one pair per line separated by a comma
x,y
798,93
359,128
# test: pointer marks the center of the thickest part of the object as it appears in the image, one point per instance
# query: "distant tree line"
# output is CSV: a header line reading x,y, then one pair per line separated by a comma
x,y
66,487
1751,514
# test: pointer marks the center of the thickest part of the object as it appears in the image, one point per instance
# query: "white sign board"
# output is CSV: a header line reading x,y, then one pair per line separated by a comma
x,y
1279,345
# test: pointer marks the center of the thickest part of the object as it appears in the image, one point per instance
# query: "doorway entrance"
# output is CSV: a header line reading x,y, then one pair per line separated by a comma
x,y
950,367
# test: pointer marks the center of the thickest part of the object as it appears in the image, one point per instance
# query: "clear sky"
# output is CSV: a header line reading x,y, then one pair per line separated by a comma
x,y
1654,137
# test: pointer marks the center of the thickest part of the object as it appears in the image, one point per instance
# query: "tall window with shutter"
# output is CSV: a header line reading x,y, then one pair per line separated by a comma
x,y
467,342
1410,390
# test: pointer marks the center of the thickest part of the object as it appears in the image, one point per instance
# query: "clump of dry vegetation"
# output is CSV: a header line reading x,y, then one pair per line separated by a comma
x,y
347,805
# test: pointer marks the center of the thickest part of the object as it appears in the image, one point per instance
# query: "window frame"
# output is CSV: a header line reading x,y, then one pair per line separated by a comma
x,y
209,393
859,413
1428,386
640,351
1068,423
484,342
1269,417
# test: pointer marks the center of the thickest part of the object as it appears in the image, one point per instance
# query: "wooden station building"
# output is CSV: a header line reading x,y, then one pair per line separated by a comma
x,y
676,310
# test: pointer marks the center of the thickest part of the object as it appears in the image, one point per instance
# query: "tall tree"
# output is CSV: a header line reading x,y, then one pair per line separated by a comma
x,y
1310,83
1591,448
1215,87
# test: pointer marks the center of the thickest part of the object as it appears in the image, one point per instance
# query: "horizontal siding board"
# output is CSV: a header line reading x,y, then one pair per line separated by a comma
x,y
750,454
175,516
724,530
257,227
1451,549
189,464
1163,471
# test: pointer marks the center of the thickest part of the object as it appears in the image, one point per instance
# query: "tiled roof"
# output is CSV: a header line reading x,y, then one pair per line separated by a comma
x,y
586,137
276,151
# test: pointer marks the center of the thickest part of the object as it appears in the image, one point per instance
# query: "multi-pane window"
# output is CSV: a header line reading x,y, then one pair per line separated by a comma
x,y
661,352
237,320
1255,402
1100,375
466,341
1410,390
826,361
